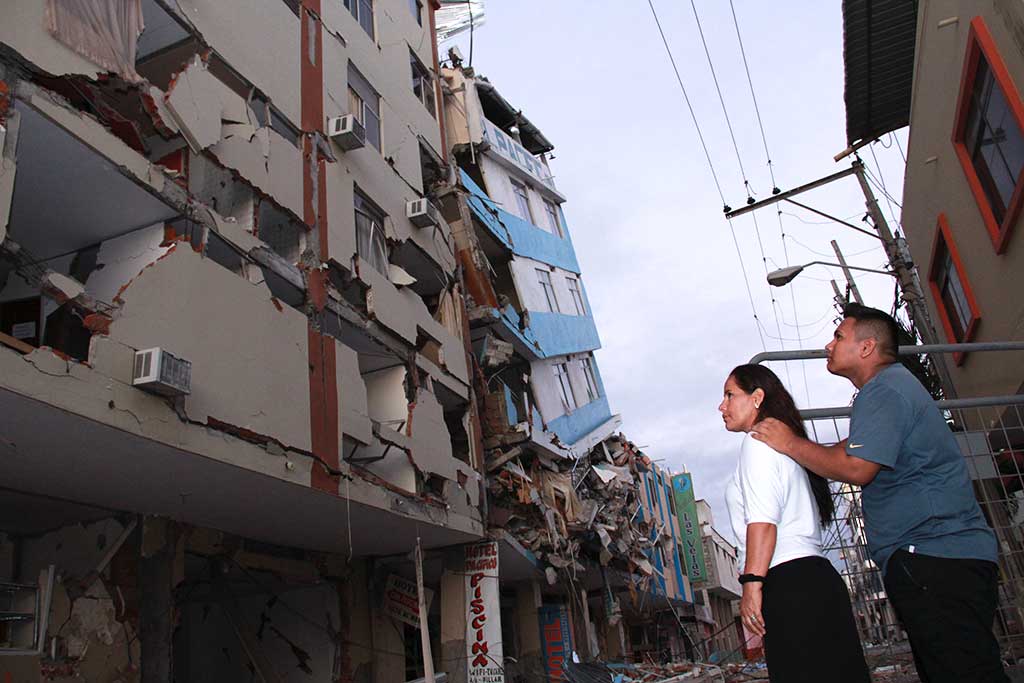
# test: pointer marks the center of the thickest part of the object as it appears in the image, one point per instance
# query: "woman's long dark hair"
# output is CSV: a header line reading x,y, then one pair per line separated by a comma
x,y
779,404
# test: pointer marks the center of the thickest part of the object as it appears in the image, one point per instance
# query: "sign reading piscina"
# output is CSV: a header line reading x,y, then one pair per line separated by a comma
x,y
507,148
483,616
689,526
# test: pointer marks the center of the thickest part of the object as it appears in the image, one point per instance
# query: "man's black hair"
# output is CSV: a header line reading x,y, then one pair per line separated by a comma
x,y
872,322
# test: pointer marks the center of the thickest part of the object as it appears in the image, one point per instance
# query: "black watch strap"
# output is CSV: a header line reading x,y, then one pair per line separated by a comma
x,y
751,578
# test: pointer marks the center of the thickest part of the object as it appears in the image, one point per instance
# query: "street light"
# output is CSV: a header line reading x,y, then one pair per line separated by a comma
x,y
783,276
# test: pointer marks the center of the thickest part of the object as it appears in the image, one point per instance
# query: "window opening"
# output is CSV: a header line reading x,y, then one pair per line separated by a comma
x,y
577,295
522,200
553,218
994,140
422,83
371,244
544,278
362,11
568,397
364,104
591,377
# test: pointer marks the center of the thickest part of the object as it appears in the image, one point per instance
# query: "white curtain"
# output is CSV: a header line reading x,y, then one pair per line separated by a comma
x,y
103,31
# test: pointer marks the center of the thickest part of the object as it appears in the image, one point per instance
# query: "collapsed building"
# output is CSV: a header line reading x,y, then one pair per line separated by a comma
x,y
269,413
594,516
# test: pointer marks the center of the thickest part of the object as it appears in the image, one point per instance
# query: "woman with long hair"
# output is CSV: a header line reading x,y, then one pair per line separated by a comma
x,y
792,595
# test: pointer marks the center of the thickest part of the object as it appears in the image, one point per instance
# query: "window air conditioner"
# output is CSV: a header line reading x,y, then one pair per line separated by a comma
x,y
159,372
347,132
422,213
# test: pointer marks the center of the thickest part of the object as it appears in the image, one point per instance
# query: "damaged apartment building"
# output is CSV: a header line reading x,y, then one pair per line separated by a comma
x,y
234,375
589,516
296,376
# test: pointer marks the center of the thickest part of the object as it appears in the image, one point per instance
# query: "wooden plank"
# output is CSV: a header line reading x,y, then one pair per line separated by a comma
x,y
16,344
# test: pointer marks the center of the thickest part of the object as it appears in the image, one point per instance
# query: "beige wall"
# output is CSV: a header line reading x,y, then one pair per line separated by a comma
x,y
935,183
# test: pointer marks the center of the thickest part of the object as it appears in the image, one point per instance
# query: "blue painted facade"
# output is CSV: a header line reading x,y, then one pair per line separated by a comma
x,y
658,494
543,334
521,237
580,422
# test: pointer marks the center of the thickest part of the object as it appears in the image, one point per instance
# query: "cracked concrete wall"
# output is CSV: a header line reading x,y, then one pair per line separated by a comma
x,y
390,177
293,626
251,377
243,34
122,259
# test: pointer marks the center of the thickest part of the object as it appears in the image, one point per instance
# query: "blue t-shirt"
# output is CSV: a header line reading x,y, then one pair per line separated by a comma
x,y
922,496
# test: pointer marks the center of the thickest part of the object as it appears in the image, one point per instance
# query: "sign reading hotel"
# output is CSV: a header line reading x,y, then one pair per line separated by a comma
x,y
483,616
689,526
555,639
507,148
401,601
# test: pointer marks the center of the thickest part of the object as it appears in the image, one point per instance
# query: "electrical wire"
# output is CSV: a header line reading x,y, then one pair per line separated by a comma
x,y
757,110
711,167
721,99
885,190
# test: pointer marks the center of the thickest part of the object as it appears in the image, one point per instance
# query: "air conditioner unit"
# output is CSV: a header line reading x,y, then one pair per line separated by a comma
x,y
159,372
422,213
347,132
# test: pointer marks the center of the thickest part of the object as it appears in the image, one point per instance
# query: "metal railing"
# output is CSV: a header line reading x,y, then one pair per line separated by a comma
x,y
990,432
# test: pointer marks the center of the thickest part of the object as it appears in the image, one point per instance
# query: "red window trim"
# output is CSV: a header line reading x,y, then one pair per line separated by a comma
x,y
980,43
944,234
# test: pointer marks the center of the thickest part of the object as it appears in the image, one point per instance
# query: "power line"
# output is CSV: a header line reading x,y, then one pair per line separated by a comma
x,y
757,110
688,105
885,190
711,166
721,99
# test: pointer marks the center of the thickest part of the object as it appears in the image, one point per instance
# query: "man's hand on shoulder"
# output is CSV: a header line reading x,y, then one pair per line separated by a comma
x,y
776,434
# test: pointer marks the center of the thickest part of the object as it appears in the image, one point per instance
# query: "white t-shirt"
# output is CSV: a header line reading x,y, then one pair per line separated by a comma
x,y
768,486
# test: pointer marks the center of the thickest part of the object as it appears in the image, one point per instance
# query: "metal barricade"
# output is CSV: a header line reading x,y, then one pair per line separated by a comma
x,y
990,432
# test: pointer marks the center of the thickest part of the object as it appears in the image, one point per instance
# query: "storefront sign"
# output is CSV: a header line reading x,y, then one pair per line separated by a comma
x,y
689,527
400,600
556,639
483,615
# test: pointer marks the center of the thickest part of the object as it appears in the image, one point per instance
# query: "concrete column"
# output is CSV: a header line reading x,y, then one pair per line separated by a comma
x,y
156,609
453,617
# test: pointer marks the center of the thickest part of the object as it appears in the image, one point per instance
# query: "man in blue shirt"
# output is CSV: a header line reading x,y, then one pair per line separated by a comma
x,y
924,527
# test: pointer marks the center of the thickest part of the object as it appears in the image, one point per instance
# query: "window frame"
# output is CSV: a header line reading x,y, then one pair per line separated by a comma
x,y
590,377
569,402
525,197
355,8
366,208
576,294
944,239
422,78
554,217
548,287
365,106
980,45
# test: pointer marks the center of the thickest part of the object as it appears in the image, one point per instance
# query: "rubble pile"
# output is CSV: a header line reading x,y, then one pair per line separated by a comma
x,y
567,511
678,672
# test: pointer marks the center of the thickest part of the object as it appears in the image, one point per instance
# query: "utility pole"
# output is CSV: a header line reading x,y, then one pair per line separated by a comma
x,y
909,283
847,273
901,266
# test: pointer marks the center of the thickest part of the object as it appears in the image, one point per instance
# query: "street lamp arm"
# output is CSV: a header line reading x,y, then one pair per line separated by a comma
x,y
837,265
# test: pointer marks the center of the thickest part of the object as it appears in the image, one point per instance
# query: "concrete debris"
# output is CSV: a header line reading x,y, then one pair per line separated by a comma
x,y
570,512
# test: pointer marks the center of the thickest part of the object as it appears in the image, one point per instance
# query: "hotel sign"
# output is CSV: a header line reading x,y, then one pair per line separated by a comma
x,y
510,150
483,615
556,639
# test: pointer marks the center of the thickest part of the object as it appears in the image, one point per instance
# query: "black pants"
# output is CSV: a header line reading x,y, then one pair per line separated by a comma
x,y
810,633
947,606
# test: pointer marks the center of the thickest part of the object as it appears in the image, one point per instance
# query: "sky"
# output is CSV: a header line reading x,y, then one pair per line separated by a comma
x,y
660,266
